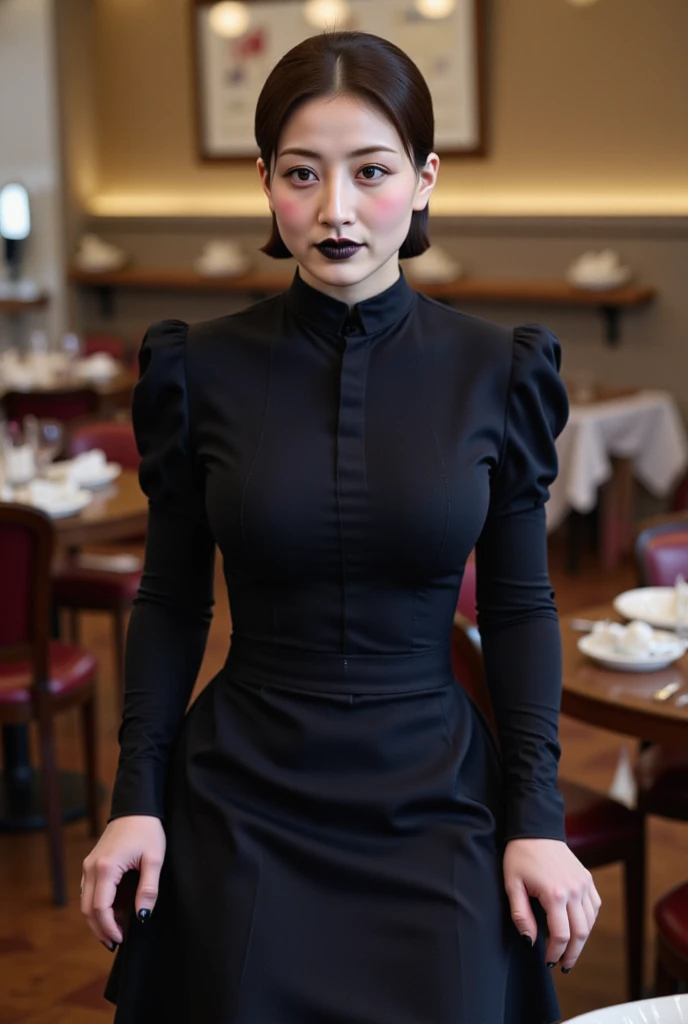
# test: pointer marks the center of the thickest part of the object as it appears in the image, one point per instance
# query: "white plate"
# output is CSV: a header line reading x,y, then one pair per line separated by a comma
x,y
665,1010
654,605
61,507
110,472
630,662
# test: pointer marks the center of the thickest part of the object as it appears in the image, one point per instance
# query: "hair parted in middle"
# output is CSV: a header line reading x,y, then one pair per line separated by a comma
x,y
358,64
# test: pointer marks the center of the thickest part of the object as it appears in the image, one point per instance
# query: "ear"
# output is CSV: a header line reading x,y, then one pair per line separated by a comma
x,y
427,179
264,175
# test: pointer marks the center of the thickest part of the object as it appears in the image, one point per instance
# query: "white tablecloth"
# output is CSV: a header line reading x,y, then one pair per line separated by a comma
x,y
645,427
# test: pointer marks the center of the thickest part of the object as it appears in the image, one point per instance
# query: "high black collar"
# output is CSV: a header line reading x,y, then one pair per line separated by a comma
x,y
333,315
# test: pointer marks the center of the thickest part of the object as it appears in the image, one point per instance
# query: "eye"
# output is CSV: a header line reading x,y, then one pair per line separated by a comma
x,y
372,167
298,174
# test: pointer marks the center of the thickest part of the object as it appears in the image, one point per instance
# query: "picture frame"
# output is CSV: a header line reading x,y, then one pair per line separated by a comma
x,y
229,72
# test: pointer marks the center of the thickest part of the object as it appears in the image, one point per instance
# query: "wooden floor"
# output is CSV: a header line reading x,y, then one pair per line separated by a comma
x,y
51,969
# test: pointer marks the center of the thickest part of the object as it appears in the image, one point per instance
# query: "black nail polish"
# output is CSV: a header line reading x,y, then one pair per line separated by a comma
x,y
111,947
527,939
143,915
553,964
566,970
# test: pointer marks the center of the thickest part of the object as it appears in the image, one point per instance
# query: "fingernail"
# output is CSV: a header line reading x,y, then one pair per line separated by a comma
x,y
566,970
527,939
110,947
143,915
553,964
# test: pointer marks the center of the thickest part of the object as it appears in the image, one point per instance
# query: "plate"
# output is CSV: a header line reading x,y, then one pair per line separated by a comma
x,y
111,470
61,507
630,662
664,1010
654,605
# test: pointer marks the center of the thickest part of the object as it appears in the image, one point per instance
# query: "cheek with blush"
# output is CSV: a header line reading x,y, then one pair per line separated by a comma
x,y
389,209
289,212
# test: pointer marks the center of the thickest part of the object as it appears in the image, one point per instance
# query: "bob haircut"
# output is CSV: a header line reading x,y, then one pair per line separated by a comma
x,y
358,64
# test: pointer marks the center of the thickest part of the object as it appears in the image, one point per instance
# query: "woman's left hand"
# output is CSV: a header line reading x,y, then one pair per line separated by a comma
x,y
547,870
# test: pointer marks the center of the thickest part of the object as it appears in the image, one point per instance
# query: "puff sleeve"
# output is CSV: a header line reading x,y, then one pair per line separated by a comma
x,y
517,616
172,610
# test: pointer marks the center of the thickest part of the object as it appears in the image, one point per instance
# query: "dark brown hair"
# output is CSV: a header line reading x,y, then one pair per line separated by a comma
x,y
358,64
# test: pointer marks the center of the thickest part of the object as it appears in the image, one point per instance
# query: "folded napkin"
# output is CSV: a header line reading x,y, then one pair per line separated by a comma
x,y
637,639
83,468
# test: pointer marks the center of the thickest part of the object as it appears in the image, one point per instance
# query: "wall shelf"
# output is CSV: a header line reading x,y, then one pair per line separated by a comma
x,y
11,307
609,303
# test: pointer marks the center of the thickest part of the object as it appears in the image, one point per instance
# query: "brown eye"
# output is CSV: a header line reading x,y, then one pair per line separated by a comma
x,y
369,172
299,174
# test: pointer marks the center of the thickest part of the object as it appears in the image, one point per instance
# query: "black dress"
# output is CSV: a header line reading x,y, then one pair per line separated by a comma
x,y
335,807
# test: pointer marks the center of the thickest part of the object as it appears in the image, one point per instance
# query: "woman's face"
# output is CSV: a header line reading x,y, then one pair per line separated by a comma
x,y
341,171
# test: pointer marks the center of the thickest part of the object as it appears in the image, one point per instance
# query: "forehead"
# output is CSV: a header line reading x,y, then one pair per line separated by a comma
x,y
337,124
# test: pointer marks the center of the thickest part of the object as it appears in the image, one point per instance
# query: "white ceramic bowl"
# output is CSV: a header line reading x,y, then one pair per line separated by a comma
x,y
665,1010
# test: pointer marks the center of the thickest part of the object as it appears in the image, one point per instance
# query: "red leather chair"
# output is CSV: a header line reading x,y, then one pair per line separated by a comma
x,y
661,553
40,677
63,405
78,586
671,944
599,830
110,343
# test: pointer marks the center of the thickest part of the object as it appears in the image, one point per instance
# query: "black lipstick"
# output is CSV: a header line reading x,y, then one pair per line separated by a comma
x,y
338,249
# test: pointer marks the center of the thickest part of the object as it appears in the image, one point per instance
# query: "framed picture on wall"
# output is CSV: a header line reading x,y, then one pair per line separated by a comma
x,y
237,44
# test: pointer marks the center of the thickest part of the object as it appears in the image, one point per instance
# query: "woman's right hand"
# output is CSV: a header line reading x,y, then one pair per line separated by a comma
x,y
132,843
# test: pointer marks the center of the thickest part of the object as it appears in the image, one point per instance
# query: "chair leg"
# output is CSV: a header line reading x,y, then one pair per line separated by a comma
x,y
634,886
53,813
74,631
665,983
90,733
118,640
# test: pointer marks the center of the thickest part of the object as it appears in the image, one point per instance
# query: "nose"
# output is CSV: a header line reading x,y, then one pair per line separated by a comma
x,y
336,206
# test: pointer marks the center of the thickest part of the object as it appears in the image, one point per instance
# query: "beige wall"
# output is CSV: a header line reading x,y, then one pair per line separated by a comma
x,y
29,144
587,110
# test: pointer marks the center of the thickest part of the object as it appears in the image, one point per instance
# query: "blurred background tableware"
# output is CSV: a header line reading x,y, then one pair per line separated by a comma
x,y
654,605
635,647
46,438
221,256
601,269
434,266
95,254
15,225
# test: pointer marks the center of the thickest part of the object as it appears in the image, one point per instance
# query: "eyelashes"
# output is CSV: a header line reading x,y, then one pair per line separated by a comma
x,y
307,181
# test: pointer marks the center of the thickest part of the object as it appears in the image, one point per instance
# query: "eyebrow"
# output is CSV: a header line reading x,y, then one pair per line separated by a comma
x,y
365,151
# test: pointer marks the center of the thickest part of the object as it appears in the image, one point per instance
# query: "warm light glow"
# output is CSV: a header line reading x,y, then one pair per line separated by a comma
x,y
326,14
229,19
435,8
446,202
582,3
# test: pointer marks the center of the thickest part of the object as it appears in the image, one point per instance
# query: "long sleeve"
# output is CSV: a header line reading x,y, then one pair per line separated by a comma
x,y
517,616
172,611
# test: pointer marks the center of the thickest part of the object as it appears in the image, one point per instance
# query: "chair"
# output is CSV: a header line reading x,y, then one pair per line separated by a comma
x,y
661,553
64,405
112,344
77,586
671,944
40,677
599,830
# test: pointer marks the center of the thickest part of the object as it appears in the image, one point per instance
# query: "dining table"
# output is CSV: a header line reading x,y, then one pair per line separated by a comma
x,y
116,512
622,701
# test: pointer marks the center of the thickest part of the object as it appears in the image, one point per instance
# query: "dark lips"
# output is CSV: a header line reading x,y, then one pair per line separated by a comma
x,y
338,250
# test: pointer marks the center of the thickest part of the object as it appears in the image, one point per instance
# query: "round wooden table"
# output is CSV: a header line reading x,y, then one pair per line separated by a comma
x,y
621,701
118,511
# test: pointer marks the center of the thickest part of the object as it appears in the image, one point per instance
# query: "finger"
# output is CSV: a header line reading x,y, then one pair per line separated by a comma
x,y
521,910
147,889
107,879
589,911
558,926
86,904
580,930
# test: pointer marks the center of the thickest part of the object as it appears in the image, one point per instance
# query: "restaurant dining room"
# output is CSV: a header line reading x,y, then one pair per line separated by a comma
x,y
130,195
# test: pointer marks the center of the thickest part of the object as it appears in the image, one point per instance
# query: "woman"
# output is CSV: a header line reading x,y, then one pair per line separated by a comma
x,y
345,843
